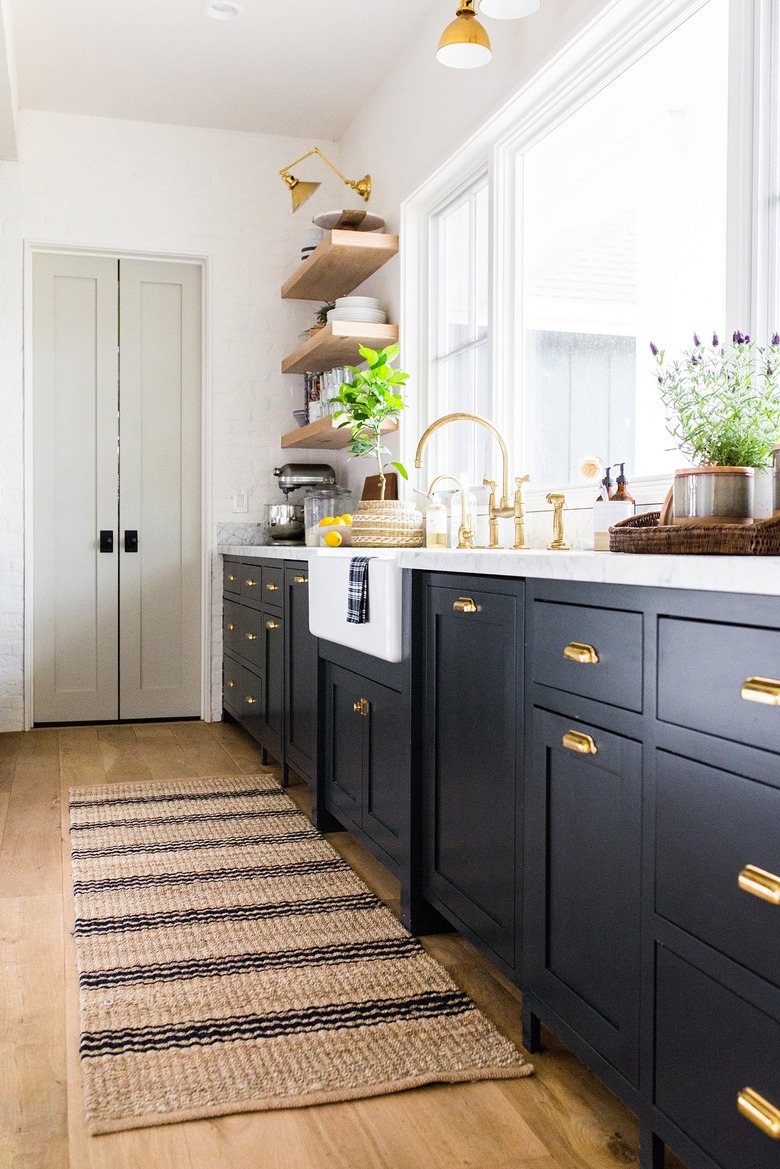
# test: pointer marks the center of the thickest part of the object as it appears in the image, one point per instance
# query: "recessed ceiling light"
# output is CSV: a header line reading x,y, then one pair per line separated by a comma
x,y
222,9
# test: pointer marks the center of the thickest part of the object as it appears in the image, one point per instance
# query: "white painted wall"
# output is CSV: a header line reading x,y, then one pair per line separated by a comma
x,y
130,186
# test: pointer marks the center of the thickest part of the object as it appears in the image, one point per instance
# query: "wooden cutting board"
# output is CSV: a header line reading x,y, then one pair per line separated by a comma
x,y
371,486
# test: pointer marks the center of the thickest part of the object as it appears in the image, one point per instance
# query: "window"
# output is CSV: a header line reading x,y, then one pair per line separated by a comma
x,y
633,193
458,374
623,221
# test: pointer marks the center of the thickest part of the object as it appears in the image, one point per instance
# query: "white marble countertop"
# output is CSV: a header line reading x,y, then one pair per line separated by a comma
x,y
759,575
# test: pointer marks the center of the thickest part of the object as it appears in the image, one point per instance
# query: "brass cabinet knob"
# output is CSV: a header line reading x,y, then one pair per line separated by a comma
x,y
765,690
759,1112
272,588
582,744
272,624
760,883
580,651
250,700
300,580
231,685
465,605
360,707
231,576
231,627
250,583
251,636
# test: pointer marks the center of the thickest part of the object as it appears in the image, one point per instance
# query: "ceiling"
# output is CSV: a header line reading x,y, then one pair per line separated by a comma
x,y
296,67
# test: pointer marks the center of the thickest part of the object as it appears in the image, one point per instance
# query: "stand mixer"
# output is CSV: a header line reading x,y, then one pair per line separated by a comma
x,y
284,522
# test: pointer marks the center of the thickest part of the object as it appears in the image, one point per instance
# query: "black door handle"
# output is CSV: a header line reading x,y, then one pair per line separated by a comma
x,y
131,540
106,540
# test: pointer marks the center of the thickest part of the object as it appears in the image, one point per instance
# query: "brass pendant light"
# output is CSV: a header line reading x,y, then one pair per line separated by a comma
x,y
464,43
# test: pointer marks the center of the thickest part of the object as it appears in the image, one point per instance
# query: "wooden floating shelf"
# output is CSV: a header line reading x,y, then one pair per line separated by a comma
x,y
325,435
338,344
341,262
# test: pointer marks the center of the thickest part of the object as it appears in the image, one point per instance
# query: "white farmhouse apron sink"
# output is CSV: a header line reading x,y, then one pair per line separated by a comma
x,y
381,636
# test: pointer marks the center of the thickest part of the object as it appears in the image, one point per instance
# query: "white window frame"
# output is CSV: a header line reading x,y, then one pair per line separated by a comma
x,y
617,37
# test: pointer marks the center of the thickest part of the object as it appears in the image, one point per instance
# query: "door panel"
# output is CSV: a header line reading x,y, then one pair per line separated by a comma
x,y
75,494
160,378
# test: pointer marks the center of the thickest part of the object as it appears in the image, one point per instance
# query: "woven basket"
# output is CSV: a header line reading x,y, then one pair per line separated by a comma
x,y
387,523
643,533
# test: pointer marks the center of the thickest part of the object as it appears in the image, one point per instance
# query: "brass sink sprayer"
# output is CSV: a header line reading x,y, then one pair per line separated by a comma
x,y
496,510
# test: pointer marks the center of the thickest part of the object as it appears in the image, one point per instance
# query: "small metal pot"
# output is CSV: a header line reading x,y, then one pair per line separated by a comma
x,y
284,521
713,495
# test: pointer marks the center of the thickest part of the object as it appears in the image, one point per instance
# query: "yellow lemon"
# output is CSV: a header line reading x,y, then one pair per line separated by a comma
x,y
346,518
327,520
332,539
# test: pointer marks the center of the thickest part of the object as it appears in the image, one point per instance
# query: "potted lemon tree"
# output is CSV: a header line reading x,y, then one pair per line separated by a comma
x,y
723,411
367,402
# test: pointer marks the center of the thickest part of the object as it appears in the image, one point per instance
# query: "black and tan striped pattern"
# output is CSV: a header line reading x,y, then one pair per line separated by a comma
x,y
229,960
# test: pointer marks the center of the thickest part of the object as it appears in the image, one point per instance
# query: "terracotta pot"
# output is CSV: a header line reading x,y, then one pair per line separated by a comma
x,y
387,523
713,495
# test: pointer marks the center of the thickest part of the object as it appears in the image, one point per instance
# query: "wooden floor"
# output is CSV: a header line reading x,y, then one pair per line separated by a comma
x,y
561,1117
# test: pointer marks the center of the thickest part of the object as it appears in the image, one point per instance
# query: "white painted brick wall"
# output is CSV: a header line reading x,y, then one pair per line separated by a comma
x,y
136,187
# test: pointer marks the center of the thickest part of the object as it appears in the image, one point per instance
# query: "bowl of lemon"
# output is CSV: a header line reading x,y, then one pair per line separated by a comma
x,y
335,531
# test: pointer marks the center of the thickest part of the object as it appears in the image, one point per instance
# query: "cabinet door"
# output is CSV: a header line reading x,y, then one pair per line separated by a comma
x,y
582,884
385,764
273,706
300,676
344,744
472,756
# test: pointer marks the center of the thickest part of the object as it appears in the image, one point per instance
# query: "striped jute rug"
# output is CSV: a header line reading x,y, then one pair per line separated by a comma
x,y
230,961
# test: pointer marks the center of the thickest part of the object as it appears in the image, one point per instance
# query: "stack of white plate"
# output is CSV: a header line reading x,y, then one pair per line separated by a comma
x,y
358,308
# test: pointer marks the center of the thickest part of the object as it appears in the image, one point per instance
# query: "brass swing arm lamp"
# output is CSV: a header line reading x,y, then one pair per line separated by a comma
x,y
300,191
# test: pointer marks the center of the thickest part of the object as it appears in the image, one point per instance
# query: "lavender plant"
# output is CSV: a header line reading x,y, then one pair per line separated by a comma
x,y
723,400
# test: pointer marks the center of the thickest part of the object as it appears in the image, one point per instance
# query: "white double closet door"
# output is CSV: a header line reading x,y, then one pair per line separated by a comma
x,y
117,489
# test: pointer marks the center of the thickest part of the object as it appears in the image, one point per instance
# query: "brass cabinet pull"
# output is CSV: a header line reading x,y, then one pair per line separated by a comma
x,y
272,624
582,744
231,576
300,580
272,588
231,627
251,636
760,884
580,651
250,699
766,690
759,1112
231,685
465,605
360,707
251,583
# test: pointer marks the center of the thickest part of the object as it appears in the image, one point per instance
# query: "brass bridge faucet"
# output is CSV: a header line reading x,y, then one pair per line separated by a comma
x,y
503,509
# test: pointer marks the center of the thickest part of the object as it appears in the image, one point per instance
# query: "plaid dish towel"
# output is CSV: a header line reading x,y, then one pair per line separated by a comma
x,y
357,593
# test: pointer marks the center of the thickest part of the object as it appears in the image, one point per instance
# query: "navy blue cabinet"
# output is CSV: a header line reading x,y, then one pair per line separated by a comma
x,y
472,758
300,675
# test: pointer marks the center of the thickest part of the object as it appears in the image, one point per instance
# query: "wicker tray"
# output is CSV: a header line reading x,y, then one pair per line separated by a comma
x,y
643,533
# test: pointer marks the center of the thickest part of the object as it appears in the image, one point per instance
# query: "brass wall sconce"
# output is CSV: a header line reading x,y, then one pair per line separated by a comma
x,y
300,191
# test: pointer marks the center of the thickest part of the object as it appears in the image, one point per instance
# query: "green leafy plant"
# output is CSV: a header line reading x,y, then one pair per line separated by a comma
x,y
323,310
371,398
723,401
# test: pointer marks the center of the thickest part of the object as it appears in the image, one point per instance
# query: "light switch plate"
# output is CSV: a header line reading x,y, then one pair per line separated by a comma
x,y
241,500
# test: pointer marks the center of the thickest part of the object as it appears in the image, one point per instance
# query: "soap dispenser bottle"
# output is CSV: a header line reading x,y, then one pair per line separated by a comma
x,y
435,523
622,494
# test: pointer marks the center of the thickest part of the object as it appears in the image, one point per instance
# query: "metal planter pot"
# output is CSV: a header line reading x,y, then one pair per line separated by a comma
x,y
713,495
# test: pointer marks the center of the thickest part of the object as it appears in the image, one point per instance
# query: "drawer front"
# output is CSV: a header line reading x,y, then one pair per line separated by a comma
x,y
710,826
710,1045
231,577
702,669
593,652
273,586
243,694
252,637
251,582
231,626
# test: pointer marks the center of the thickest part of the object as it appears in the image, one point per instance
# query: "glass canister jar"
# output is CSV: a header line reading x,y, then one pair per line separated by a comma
x,y
776,477
319,503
